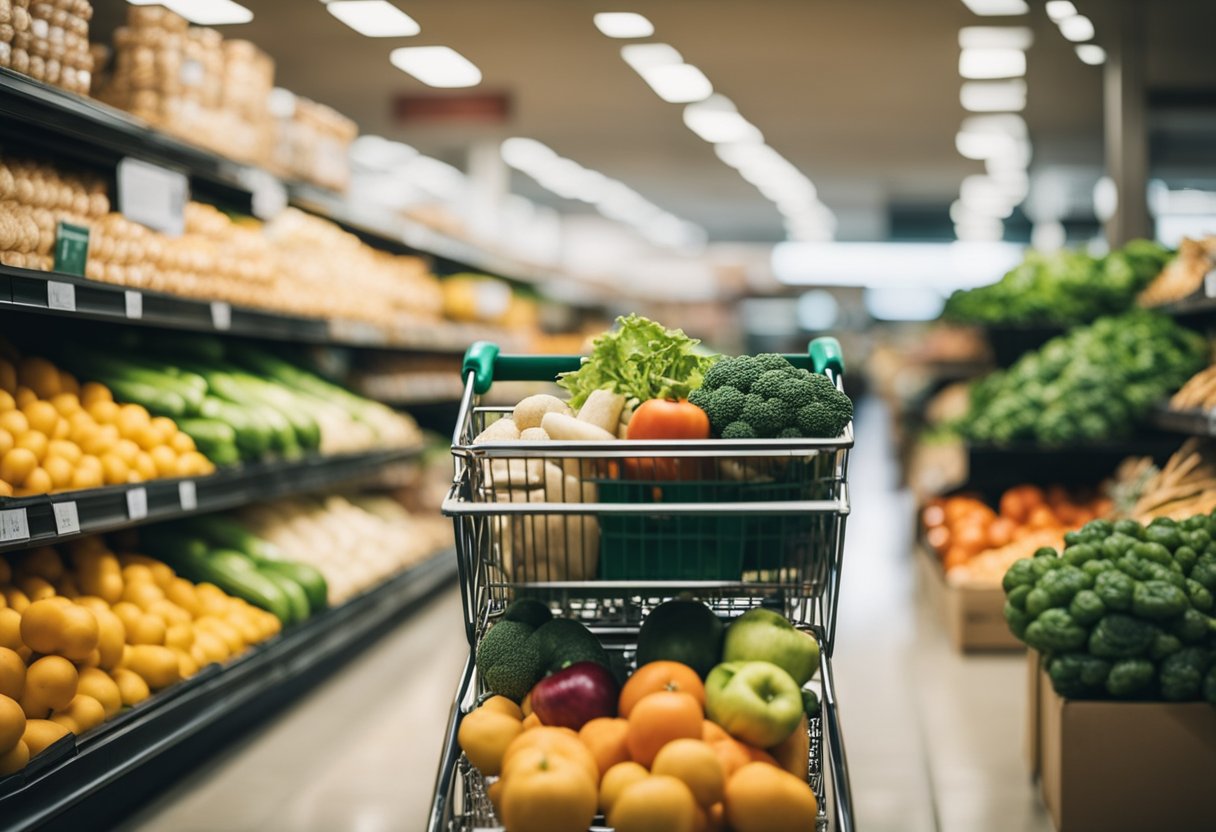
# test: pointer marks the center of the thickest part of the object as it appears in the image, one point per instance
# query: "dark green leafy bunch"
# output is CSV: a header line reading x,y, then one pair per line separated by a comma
x,y
1063,288
764,396
1092,384
1125,611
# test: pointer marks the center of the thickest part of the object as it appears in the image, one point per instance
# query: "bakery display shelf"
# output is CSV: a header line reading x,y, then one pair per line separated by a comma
x,y
93,781
51,518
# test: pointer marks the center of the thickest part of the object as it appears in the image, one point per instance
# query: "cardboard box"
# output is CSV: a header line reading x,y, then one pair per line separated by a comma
x,y
1126,765
974,616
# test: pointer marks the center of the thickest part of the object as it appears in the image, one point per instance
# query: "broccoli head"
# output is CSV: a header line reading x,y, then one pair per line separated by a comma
x,y
764,396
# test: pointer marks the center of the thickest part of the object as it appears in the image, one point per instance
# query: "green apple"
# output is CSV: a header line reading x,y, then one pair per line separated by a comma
x,y
761,635
756,702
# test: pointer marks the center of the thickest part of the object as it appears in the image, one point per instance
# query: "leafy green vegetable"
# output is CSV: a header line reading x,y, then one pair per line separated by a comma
x,y
641,360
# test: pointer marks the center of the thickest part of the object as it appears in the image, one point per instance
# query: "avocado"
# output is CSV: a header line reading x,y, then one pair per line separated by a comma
x,y
508,660
529,611
682,631
563,642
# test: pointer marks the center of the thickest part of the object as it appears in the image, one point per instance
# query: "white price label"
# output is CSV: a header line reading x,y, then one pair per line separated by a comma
x,y
1209,284
60,295
137,503
221,314
67,519
153,196
135,304
14,525
187,494
269,196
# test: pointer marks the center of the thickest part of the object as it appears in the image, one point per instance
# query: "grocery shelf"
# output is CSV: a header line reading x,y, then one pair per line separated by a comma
x,y
51,518
92,781
406,389
993,468
1195,305
29,290
1192,422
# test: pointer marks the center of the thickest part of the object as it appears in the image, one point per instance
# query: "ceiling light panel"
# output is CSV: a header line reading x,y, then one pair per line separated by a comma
x,y
210,12
993,96
997,8
623,25
717,121
1059,10
1091,54
677,83
374,18
436,66
644,55
985,64
1077,28
995,37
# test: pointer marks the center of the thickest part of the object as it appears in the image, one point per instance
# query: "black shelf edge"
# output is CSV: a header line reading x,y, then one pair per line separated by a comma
x,y
1196,305
110,508
100,777
1189,422
25,290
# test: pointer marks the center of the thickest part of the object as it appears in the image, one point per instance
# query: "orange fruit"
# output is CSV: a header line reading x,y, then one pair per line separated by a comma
x,y
763,798
616,780
494,792
734,755
503,705
793,753
532,721
657,804
716,818
555,741
656,676
605,737
696,765
658,719
484,736
547,791
712,731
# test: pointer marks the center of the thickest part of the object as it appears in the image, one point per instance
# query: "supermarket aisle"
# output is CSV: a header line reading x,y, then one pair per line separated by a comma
x,y
359,753
934,740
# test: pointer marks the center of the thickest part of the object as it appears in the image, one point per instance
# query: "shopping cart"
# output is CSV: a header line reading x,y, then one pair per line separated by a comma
x,y
604,532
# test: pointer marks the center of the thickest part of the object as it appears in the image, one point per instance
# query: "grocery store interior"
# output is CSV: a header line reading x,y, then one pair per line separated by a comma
x,y
654,416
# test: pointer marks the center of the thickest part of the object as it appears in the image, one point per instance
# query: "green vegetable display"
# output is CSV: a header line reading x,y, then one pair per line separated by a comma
x,y
1094,383
1063,288
640,360
1123,611
764,396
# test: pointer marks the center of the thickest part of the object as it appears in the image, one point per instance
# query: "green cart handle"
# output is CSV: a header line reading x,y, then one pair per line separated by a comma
x,y
487,365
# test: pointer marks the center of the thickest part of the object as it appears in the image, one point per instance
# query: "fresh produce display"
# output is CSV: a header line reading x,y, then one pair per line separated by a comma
x,y
241,403
977,544
1124,611
214,549
663,751
1183,487
57,434
1064,288
86,633
1199,393
1094,383
48,42
355,541
1184,275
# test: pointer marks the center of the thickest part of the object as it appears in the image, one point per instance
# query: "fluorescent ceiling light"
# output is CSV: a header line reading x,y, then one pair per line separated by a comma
x,y
945,266
904,304
374,18
210,12
998,37
378,153
1006,124
436,66
1091,53
677,83
716,120
982,146
527,154
643,55
991,8
1059,10
1077,28
623,25
985,64
993,96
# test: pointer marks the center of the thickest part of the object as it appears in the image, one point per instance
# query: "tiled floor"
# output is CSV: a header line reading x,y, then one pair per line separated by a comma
x,y
934,741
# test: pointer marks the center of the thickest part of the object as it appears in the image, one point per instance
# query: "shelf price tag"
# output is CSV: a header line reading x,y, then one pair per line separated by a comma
x,y
67,519
60,295
187,495
1209,284
153,196
135,304
71,249
14,525
268,194
221,315
137,503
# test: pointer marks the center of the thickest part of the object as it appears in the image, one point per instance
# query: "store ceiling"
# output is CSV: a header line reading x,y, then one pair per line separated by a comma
x,y
861,96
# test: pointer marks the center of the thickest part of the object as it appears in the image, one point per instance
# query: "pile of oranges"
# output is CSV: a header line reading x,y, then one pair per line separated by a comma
x,y
660,764
961,528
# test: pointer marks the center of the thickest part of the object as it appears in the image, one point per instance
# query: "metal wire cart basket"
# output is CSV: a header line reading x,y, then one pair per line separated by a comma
x,y
606,531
